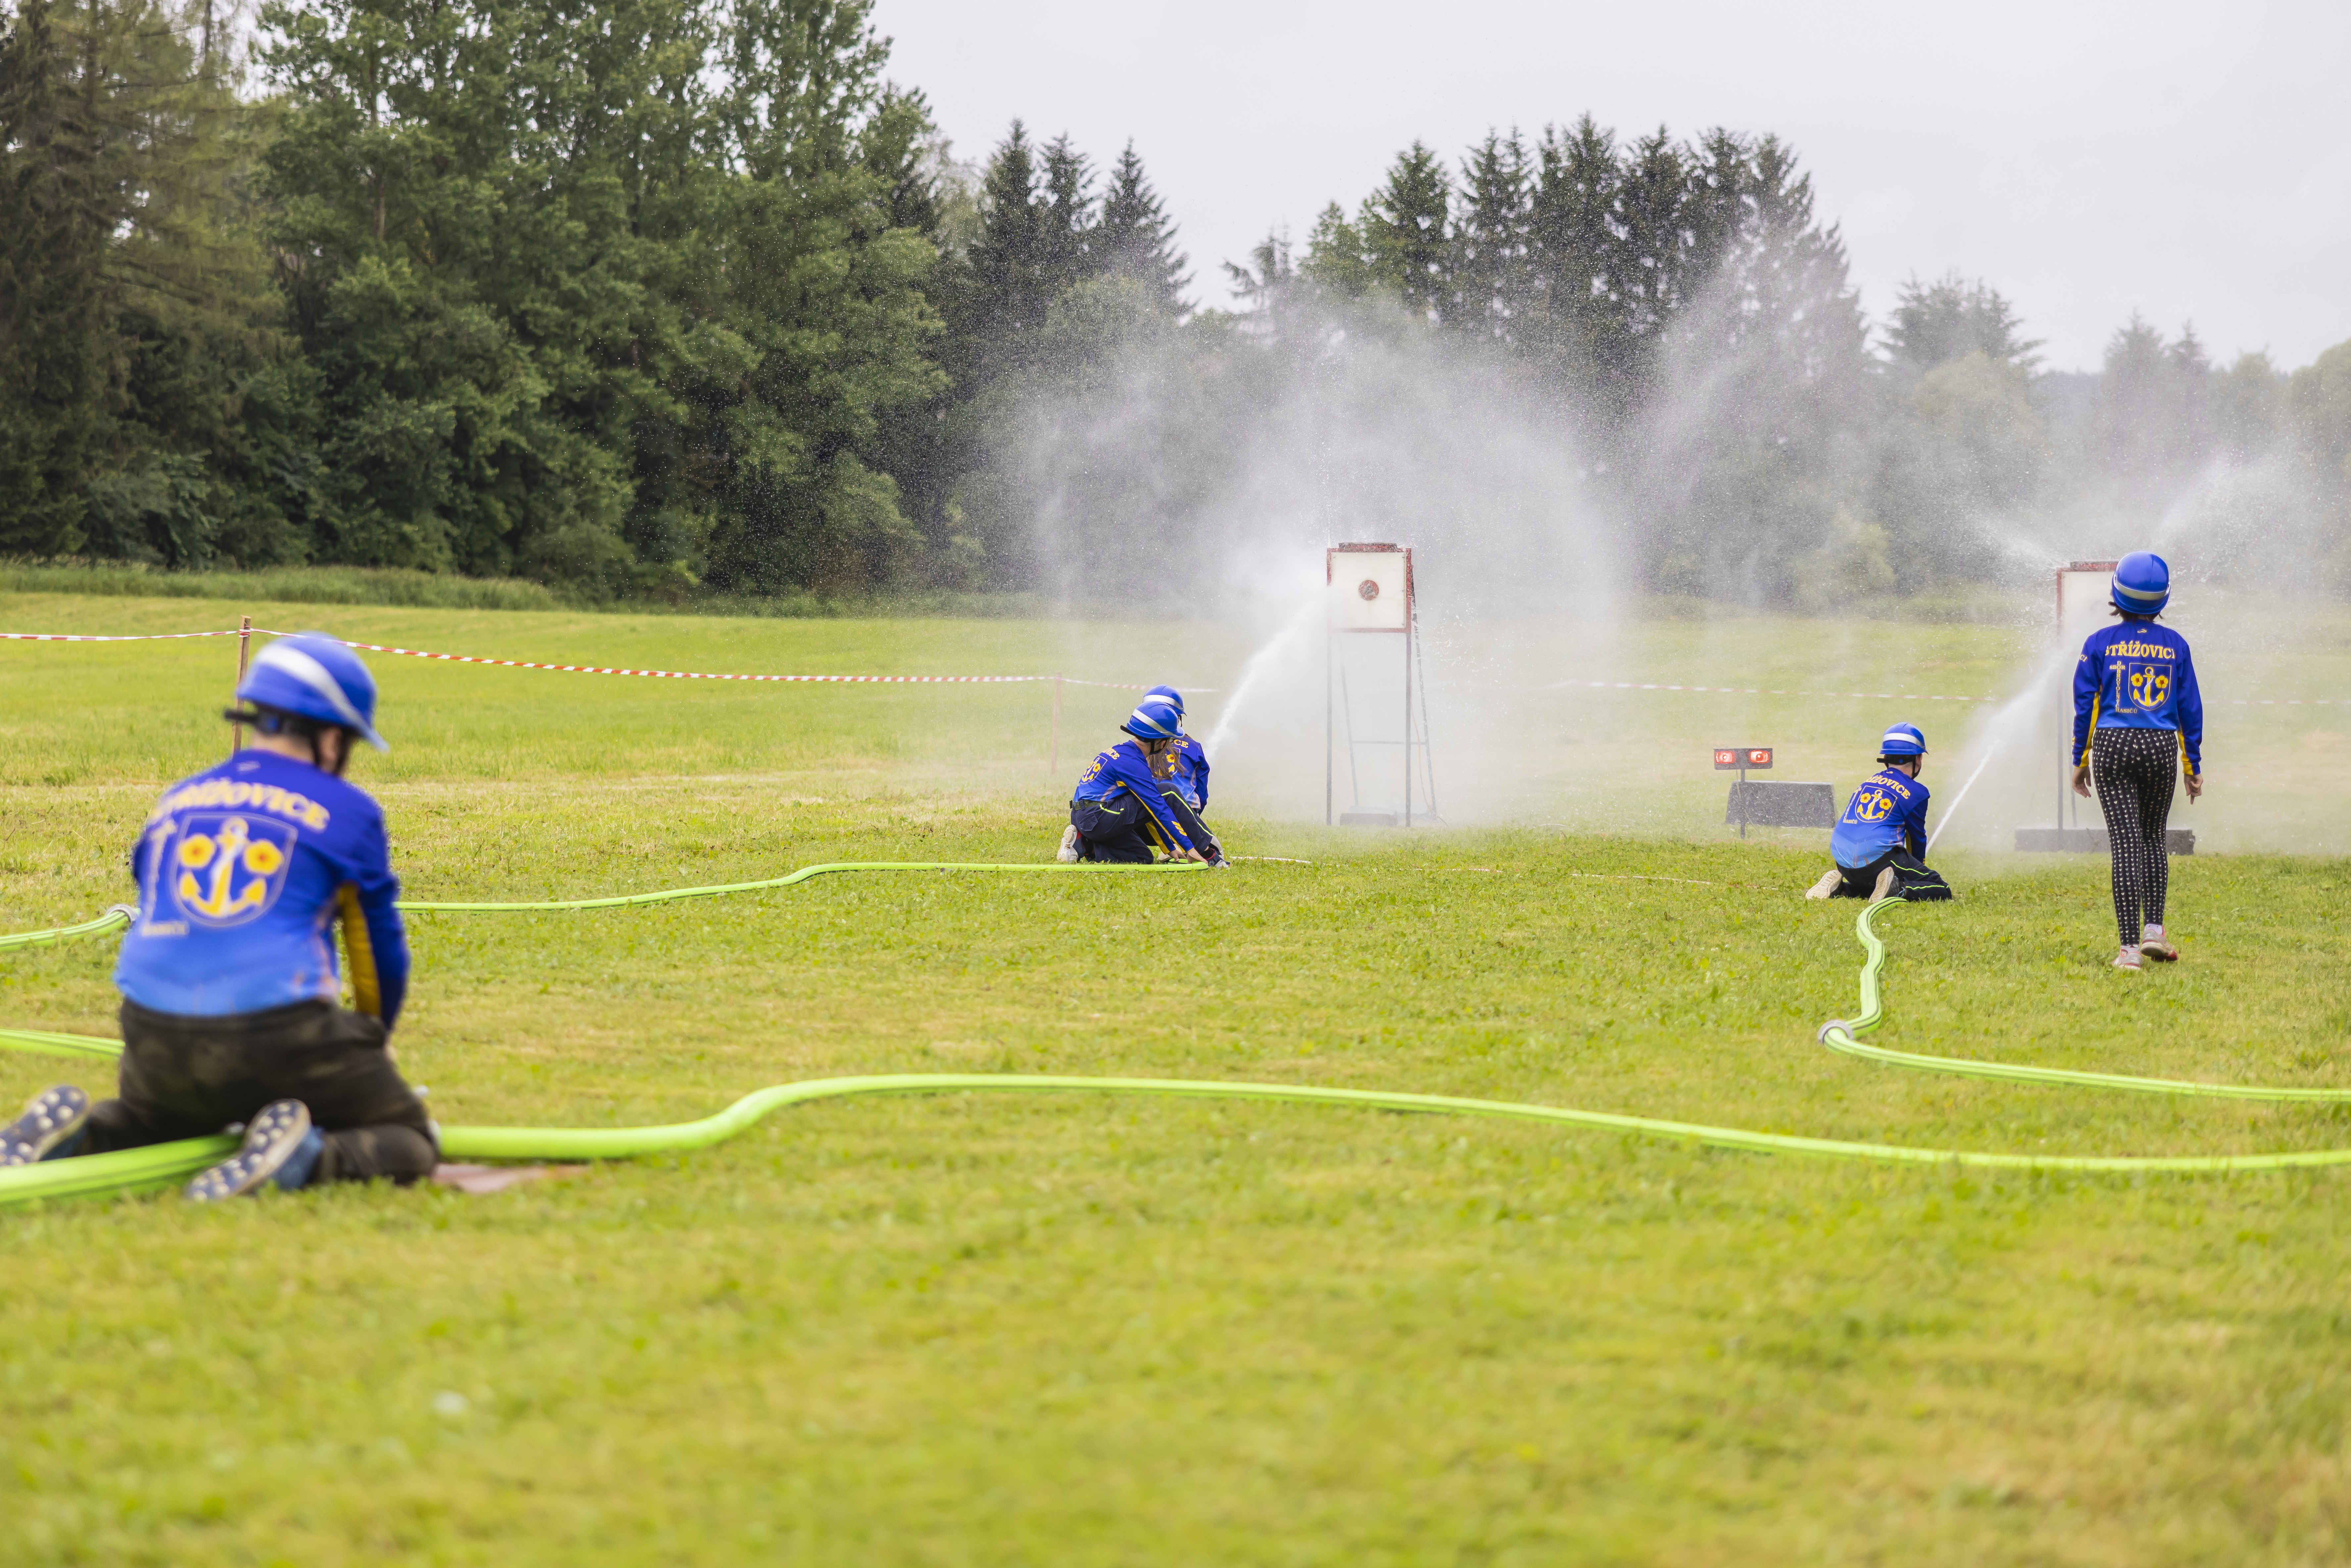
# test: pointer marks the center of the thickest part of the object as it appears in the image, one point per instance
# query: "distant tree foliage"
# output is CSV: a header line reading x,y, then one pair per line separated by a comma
x,y
615,293
640,296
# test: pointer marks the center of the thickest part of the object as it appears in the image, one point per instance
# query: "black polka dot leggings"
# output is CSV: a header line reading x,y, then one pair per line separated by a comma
x,y
2135,770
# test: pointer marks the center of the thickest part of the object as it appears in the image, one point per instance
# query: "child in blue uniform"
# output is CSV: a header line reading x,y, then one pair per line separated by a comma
x,y
1880,841
1190,761
2138,714
1184,772
1124,809
229,983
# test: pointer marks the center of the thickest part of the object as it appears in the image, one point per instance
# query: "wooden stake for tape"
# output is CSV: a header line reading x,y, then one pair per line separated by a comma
x,y
244,645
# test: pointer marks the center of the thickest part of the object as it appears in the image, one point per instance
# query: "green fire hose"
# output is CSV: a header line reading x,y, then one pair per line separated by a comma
x,y
1839,1035
162,1164
121,915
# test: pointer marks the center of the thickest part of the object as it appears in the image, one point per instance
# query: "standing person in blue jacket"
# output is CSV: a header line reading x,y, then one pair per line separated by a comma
x,y
230,1011
1880,843
1123,810
2137,716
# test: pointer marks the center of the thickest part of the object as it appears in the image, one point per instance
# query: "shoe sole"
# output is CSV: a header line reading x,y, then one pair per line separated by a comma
x,y
270,1140
49,1119
2169,958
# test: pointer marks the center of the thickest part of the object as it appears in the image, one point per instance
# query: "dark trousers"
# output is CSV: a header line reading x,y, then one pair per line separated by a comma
x,y
1112,829
1912,880
190,1077
2136,770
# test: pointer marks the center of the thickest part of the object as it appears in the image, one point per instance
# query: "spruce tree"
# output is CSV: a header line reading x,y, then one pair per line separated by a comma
x,y
1338,260
1407,234
135,317
1651,219
57,347
1490,267
1950,318
1135,238
1066,222
1010,283
1571,249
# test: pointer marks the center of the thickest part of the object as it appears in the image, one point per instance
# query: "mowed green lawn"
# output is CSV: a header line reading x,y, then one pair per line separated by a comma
x,y
1064,1330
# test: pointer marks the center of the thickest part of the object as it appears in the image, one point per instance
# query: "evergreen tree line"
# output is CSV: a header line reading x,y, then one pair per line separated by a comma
x,y
1677,317
642,297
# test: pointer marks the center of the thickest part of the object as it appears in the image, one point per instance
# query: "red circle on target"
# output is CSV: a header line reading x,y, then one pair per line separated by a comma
x,y
1367,589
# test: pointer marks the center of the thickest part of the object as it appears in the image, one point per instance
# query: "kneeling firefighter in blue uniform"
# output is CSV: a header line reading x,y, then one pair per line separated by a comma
x,y
1127,805
230,1010
1183,772
1879,843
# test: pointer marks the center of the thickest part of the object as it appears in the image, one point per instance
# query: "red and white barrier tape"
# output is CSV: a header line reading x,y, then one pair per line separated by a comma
x,y
702,675
1751,691
137,637
1897,696
1070,680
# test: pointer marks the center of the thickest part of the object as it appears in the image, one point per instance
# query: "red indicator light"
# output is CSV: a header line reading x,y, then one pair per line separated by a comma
x,y
1726,759
1759,757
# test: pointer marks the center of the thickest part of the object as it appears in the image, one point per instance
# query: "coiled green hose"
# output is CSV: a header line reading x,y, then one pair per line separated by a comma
x,y
161,1164
1839,1035
121,915
803,874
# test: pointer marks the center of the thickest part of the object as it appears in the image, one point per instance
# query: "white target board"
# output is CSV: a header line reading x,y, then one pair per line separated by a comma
x,y
1370,588
2081,599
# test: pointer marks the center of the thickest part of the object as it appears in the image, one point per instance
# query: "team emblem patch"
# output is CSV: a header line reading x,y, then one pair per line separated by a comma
x,y
226,870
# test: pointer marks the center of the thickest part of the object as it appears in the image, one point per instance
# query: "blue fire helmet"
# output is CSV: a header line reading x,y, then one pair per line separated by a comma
x,y
2142,583
1168,694
1154,719
312,675
1903,740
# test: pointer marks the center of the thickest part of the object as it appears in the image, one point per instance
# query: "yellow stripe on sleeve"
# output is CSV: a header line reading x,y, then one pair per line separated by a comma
x,y
366,995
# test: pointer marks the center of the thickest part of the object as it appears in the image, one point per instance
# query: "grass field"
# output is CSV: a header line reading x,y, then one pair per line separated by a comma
x,y
1007,1331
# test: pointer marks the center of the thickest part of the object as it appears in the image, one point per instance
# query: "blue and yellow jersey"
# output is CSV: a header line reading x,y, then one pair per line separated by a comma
x,y
1192,773
2137,674
243,870
1888,812
1124,766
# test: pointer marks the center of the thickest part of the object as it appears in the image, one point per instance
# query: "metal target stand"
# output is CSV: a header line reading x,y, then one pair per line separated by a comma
x,y
1369,590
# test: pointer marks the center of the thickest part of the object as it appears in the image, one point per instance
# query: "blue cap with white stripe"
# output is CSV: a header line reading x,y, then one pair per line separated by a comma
x,y
1154,719
1903,740
2142,584
312,675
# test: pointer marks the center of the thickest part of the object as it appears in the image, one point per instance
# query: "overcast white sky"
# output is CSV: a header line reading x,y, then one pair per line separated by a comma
x,y
2191,162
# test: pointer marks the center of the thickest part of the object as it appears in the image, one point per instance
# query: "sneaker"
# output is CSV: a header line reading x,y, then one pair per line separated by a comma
x,y
50,1126
2127,959
2153,944
1826,887
1885,888
281,1149
1068,853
